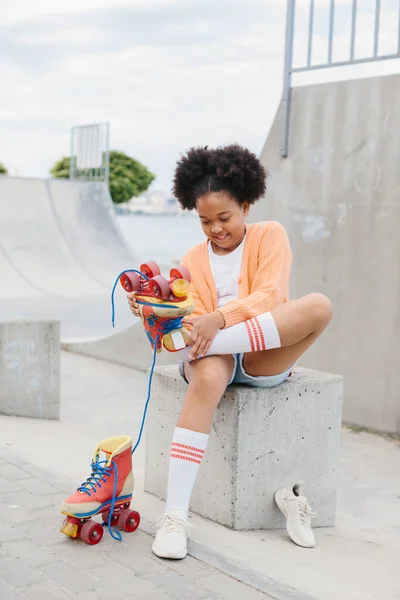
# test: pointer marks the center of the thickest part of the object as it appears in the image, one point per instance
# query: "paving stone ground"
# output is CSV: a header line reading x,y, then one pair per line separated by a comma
x,y
37,562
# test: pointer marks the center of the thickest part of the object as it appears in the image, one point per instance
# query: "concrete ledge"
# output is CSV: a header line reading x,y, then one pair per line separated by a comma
x,y
30,369
121,348
261,440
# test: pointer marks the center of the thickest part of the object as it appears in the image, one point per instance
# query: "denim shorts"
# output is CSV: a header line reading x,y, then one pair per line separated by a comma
x,y
240,376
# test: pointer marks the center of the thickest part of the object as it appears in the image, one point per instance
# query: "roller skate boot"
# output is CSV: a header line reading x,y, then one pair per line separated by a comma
x,y
164,332
162,304
108,490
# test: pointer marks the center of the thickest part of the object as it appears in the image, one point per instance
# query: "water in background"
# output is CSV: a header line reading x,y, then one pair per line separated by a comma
x,y
163,238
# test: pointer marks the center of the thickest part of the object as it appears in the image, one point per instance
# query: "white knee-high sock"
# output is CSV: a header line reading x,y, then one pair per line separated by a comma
x,y
258,333
187,450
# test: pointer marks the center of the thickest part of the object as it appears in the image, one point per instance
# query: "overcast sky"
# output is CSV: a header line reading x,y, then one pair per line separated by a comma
x,y
166,74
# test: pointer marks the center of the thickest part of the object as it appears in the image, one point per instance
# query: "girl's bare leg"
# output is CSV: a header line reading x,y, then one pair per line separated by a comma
x,y
299,323
208,378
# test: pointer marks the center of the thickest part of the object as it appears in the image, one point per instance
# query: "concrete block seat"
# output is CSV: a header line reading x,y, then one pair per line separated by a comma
x,y
30,369
261,440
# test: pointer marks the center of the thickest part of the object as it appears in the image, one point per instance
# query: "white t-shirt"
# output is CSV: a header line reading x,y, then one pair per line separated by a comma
x,y
226,272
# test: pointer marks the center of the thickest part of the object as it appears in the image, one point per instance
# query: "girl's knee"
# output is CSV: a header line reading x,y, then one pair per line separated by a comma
x,y
321,308
211,372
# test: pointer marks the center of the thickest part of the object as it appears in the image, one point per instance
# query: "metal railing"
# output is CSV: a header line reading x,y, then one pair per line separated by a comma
x,y
289,69
90,153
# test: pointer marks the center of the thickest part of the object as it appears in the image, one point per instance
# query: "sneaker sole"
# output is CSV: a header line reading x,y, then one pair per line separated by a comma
x,y
289,528
165,555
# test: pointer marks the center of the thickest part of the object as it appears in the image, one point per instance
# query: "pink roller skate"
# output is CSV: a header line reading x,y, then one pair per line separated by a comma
x,y
108,491
163,303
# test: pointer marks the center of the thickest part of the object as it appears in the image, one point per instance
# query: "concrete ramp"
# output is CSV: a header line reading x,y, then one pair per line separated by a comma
x,y
338,195
60,252
33,243
129,348
100,248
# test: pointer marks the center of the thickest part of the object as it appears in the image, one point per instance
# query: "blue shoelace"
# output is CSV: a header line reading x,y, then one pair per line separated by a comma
x,y
99,473
99,469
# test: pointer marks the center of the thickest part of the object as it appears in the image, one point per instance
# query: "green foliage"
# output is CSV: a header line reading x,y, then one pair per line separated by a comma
x,y
128,177
3,170
61,168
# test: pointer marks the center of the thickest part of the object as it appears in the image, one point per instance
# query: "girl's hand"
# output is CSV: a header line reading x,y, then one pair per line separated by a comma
x,y
204,330
133,305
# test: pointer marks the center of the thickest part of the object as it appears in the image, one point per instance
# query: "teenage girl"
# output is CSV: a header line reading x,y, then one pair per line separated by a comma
x,y
244,329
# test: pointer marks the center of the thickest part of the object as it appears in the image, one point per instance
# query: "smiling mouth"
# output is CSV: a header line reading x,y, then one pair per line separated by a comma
x,y
221,238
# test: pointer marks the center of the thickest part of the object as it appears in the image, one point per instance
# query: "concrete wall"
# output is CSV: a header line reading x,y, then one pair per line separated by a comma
x,y
30,369
338,195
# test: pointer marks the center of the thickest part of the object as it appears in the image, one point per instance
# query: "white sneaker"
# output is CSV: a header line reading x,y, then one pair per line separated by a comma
x,y
172,535
298,515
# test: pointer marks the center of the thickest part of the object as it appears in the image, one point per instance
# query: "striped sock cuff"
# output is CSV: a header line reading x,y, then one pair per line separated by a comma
x,y
263,333
184,452
188,445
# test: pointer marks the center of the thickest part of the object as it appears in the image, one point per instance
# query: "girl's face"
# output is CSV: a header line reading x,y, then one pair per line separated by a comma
x,y
223,220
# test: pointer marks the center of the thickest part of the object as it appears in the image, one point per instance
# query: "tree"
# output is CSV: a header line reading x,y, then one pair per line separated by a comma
x,y
3,169
128,177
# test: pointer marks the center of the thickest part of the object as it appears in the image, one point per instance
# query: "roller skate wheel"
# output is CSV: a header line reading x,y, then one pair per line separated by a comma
x,y
129,520
91,533
105,515
180,288
130,282
159,286
151,269
180,272
69,528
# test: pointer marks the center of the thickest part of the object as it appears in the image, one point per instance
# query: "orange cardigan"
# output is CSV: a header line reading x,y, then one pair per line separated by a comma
x,y
264,277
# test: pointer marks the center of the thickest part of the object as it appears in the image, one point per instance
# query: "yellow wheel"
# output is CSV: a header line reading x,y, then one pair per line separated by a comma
x,y
180,288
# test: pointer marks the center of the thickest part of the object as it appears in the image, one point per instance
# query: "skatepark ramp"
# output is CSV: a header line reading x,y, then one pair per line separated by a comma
x,y
60,252
338,195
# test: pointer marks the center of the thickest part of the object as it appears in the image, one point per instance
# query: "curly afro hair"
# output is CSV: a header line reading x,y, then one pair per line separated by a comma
x,y
232,169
